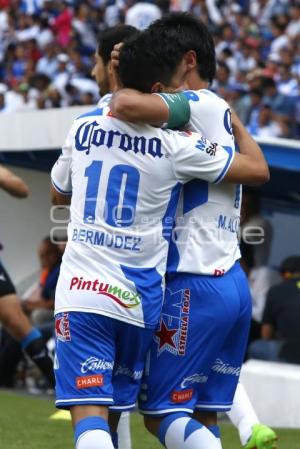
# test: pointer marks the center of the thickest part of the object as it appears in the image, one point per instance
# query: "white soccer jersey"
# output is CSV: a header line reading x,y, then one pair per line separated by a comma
x,y
208,216
125,181
104,101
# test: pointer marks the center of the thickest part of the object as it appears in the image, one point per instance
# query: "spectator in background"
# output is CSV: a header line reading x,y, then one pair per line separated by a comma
x,y
141,14
255,40
40,305
293,28
62,24
287,84
48,63
45,35
12,316
84,29
280,334
253,108
278,102
279,39
222,81
257,235
252,220
266,123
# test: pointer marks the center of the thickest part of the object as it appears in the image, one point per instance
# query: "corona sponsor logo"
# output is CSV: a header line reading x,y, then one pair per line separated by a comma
x,y
90,134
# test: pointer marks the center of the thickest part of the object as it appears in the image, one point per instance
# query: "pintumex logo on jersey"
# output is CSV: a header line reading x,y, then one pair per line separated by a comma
x,y
172,333
123,297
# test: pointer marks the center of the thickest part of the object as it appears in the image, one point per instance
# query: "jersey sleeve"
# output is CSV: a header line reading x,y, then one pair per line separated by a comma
x,y
179,110
196,157
61,170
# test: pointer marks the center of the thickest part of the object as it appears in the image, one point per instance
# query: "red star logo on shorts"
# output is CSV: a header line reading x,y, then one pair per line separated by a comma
x,y
62,328
166,335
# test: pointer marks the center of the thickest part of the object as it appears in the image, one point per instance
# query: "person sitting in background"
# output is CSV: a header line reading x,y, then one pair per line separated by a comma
x,y
258,234
266,124
280,334
12,316
40,305
252,220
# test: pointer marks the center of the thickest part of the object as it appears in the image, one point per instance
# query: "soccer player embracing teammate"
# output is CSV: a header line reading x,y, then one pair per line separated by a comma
x,y
204,352
123,182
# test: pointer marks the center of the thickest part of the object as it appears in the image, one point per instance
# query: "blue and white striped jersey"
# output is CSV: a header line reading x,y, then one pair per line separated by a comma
x,y
125,182
208,216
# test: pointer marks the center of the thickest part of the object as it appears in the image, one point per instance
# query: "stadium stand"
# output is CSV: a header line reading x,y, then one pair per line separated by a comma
x,y
47,47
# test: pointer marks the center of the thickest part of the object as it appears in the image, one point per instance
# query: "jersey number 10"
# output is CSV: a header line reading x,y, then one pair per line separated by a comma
x,y
121,194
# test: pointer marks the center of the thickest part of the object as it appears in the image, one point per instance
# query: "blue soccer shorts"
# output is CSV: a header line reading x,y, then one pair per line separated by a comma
x,y
98,360
196,355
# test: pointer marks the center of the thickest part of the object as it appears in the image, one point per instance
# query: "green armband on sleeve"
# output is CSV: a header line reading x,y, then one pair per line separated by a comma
x,y
179,110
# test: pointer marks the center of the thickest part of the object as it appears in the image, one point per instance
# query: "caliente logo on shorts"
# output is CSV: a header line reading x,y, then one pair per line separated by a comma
x,y
123,297
224,368
194,379
94,364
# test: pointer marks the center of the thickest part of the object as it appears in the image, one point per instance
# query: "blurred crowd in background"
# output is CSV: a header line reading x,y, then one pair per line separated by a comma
x,y
47,52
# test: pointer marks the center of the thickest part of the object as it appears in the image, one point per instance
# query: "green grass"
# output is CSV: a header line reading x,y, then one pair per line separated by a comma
x,y
25,424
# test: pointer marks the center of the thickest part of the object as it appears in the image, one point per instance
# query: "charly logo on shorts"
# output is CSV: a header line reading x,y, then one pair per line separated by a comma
x,y
224,368
123,297
193,379
62,327
94,364
96,380
182,396
174,324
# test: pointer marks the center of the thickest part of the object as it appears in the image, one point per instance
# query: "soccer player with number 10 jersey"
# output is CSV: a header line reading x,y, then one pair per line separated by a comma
x,y
123,182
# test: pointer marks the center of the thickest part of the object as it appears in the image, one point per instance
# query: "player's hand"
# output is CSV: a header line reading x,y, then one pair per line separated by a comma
x,y
12,183
115,55
114,59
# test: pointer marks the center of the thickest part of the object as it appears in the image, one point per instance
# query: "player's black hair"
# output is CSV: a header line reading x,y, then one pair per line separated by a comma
x,y
112,36
155,54
185,32
141,63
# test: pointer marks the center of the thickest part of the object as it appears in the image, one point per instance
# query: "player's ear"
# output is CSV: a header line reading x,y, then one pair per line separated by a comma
x,y
190,59
157,87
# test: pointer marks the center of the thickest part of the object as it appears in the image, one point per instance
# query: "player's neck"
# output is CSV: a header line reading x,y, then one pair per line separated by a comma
x,y
194,81
113,85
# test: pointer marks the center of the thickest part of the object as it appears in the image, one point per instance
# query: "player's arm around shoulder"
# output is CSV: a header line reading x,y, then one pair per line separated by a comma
x,y
13,184
133,106
162,110
249,166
